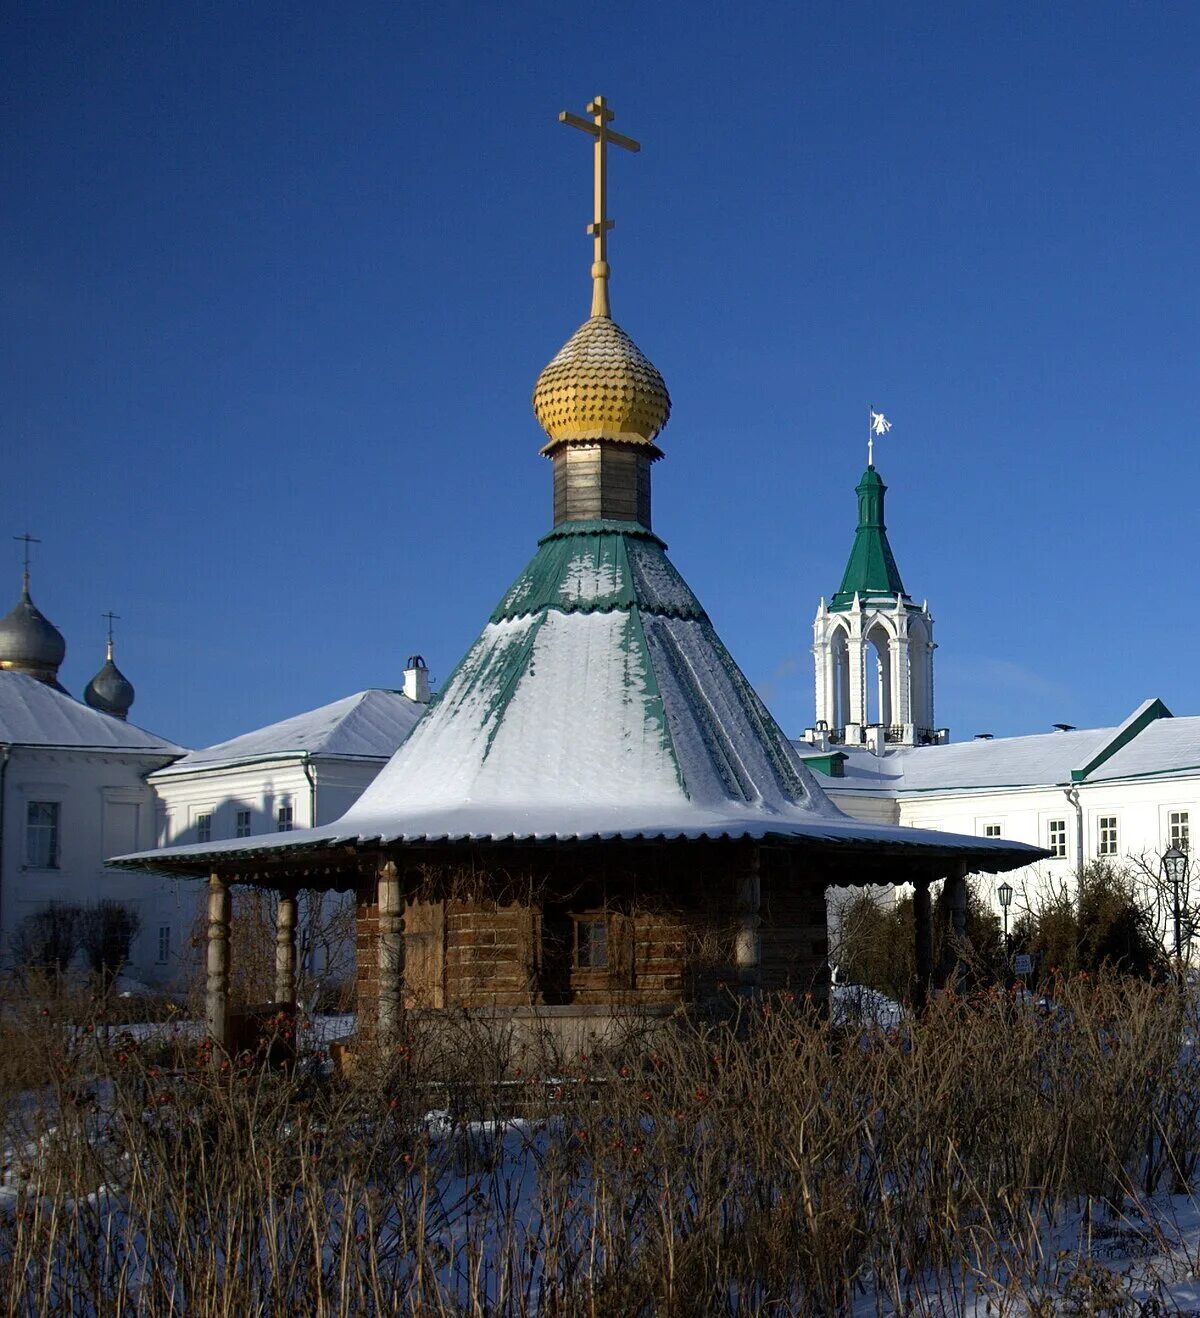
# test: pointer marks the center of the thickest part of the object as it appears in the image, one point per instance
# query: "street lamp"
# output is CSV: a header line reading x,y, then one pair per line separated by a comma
x,y
1175,866
1005,893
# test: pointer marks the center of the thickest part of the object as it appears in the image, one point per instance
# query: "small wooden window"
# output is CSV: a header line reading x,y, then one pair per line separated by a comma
x,y
591,943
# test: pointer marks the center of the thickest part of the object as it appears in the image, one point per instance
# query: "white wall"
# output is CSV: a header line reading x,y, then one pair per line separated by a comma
x,y
1142,808
105,808
261,788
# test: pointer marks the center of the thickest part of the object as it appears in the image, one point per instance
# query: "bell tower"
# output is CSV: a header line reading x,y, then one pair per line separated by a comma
x,y
873,646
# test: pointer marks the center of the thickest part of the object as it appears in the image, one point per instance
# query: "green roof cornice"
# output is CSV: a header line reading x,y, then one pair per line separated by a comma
x,y
872,569
1141,718
608,527
596,567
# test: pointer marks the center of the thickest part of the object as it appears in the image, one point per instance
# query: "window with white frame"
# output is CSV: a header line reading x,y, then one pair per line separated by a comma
x,y
1056,838
41,834
284,819
164,943
1178,828
991,830
204,827
1106,835
243,824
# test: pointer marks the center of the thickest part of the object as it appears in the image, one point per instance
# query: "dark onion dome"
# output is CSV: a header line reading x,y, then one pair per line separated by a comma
x,y
30,643
110,691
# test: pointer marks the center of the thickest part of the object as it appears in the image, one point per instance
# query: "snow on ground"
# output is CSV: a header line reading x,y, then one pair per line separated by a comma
x,y
855,1004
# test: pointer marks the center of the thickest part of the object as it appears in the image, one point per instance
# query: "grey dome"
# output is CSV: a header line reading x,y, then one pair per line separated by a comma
x,y
30,643
110,691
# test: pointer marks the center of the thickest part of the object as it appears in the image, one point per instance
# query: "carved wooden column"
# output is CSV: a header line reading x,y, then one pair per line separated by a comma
x,y
285,946
923,913
217,997
747,941
391,953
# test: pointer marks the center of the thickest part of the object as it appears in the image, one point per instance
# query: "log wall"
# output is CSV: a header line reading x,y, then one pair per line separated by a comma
x,y
670,938
594,480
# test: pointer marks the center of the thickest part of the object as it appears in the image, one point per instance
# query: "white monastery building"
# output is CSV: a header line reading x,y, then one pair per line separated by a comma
x,y
299,773
80,783
73,789
1109,794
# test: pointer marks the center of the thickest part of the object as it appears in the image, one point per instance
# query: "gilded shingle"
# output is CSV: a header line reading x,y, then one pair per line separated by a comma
x,y
600,385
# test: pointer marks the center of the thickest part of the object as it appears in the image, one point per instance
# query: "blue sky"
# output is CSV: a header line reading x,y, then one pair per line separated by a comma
x,y
280,278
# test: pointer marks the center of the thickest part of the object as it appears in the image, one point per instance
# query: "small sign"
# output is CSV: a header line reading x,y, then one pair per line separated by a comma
x,y
1023,964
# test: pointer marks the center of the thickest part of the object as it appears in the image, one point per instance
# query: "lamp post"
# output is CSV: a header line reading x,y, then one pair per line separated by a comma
x,y
1005,893
1175,866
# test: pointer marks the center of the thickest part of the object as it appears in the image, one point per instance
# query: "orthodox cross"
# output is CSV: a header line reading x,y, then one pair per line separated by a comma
x,y
602,116
28,540
111,617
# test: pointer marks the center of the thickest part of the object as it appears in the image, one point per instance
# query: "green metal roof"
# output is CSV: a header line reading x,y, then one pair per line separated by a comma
x,y
595,566
872,569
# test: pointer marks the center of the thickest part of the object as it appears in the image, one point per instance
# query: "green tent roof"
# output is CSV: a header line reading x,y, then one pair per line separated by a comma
x,y
871,571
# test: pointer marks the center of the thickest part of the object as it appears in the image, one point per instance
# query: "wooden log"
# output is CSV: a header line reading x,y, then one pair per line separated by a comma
x,y
748,943
391,954
285,946
216,1002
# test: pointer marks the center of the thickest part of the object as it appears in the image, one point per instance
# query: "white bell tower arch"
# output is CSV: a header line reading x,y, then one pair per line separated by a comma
x,y
873,646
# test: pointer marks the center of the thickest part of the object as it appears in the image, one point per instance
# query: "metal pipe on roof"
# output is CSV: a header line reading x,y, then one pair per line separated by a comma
x,y
310,774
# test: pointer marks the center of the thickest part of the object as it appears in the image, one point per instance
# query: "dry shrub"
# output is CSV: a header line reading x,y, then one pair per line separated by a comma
x,y
1101,920
769,1164
875,939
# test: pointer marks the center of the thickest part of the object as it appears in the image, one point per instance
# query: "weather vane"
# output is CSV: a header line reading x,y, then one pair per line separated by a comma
x,y
878,425
602,116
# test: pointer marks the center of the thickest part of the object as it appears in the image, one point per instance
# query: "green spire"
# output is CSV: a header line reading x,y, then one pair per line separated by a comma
x,y
872,569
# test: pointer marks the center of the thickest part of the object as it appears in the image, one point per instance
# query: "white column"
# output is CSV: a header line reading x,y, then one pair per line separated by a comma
x,y
901,681
822,684
856,653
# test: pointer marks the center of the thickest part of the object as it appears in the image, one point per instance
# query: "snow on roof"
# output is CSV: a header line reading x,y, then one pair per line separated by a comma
x,y
1002,762
34,714
498,824
598,702
1167,745
368,725
1148,742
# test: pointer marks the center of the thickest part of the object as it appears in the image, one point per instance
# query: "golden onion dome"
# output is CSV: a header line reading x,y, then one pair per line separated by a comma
x,y
600,385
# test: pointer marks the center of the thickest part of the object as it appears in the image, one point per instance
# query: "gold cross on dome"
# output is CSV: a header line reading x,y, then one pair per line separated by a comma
x,y
602,116
111,618
29,540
